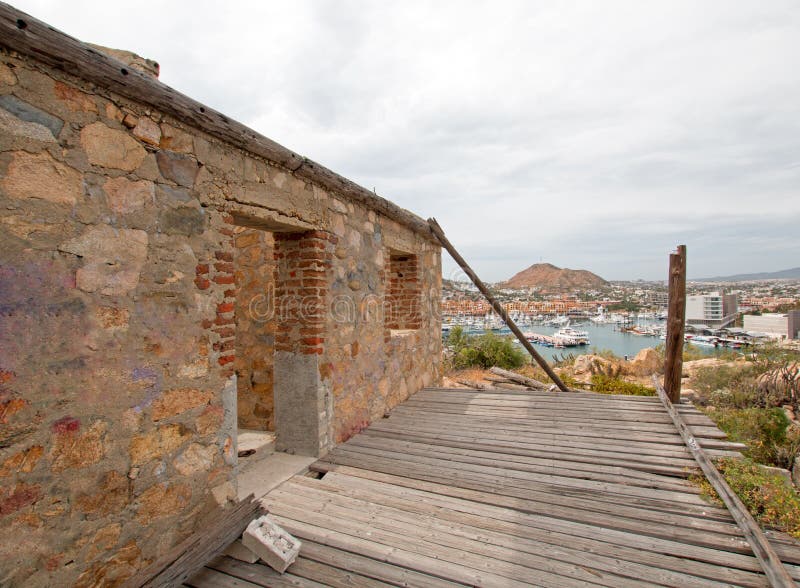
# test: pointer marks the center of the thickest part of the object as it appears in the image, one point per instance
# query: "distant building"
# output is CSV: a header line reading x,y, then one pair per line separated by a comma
x,y
656,298
777,325
715,309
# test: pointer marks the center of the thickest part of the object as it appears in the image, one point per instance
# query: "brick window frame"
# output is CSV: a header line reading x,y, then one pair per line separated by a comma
x,y
402,301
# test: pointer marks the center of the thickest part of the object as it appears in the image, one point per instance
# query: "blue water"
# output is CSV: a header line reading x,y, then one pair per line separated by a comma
x,y
601,336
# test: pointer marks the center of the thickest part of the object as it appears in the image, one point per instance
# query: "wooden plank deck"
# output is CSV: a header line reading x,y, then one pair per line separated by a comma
x,y
502,488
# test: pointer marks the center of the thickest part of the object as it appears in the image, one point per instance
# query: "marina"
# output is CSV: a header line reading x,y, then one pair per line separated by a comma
x,y
624,335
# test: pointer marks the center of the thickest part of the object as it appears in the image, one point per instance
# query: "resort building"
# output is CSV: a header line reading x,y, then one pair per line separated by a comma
x,y
776,325
715,310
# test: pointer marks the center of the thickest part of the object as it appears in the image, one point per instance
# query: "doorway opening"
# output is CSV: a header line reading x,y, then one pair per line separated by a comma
x,y
282,276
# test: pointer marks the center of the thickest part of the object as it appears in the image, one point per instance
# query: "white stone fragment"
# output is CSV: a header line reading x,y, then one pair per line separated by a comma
x,y
271,543
237,550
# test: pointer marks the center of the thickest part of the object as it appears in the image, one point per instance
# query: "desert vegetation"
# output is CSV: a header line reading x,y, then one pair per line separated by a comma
x,y
482,351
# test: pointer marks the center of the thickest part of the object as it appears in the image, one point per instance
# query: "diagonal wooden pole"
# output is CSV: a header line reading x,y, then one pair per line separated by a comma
x,y
769,560
498,308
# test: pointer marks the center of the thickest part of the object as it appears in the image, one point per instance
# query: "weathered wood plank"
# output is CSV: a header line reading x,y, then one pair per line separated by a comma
x,y
583,471
220,529
371,568
554,447
488,505
309,572
554,394
608,419
633,430
670,489
419,561
436,504
478,554
528,498
396,531
227,572
514,536
679,467
568,486
636,444
769,560
594,463
208,578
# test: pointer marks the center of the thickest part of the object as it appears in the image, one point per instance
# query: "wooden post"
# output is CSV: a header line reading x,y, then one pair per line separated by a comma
x,y
676,317
498,308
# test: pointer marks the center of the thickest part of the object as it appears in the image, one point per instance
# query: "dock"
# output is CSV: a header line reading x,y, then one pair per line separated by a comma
x,y
505,488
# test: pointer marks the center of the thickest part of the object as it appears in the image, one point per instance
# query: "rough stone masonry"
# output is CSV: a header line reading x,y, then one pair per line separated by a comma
x,y
149,269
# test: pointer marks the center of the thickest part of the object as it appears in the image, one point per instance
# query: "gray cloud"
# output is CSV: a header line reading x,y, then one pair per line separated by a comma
x,y
592,135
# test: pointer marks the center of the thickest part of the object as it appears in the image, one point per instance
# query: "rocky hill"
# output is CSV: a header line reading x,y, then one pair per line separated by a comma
x,y
549,277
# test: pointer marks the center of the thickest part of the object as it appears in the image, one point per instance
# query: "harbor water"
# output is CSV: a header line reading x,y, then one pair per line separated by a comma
x,y
604,336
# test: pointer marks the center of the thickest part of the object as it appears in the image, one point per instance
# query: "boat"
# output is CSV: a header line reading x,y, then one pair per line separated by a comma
x,y
571,337
702,340
558,320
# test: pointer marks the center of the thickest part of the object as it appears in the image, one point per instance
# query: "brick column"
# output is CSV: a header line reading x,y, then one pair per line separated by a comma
x,y
302,279
218,278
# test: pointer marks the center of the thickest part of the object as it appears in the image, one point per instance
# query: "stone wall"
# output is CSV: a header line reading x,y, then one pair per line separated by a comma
x,y
123,235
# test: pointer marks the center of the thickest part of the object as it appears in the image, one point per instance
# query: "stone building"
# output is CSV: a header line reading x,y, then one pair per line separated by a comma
x,y
167,275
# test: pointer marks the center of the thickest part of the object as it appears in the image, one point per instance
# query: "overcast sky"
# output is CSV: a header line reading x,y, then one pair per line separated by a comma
x,y
591,135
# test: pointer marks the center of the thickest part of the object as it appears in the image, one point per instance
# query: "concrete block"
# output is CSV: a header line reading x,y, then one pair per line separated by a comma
x,y
271,543
237,550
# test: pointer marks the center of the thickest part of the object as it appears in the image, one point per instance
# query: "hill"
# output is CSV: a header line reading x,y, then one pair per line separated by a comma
x,y
787,274
549,277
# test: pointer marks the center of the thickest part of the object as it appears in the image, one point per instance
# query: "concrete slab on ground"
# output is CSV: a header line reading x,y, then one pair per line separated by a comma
x,y
265,474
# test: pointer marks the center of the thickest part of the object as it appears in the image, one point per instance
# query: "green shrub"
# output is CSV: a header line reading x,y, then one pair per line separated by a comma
x,y
483,351
731,386
709,379
768,496
608,385
765,431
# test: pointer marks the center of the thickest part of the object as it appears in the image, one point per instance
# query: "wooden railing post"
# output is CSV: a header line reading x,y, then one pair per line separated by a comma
x,y
676,317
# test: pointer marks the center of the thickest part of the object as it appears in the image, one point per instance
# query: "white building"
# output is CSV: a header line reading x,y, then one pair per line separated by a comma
x,y
776,325
715,309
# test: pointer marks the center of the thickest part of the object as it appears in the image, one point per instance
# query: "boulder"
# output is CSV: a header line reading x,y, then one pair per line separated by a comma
x,y
595,364
646,362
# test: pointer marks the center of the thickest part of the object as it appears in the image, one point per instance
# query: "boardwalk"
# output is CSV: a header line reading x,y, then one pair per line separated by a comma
x,y
500,488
